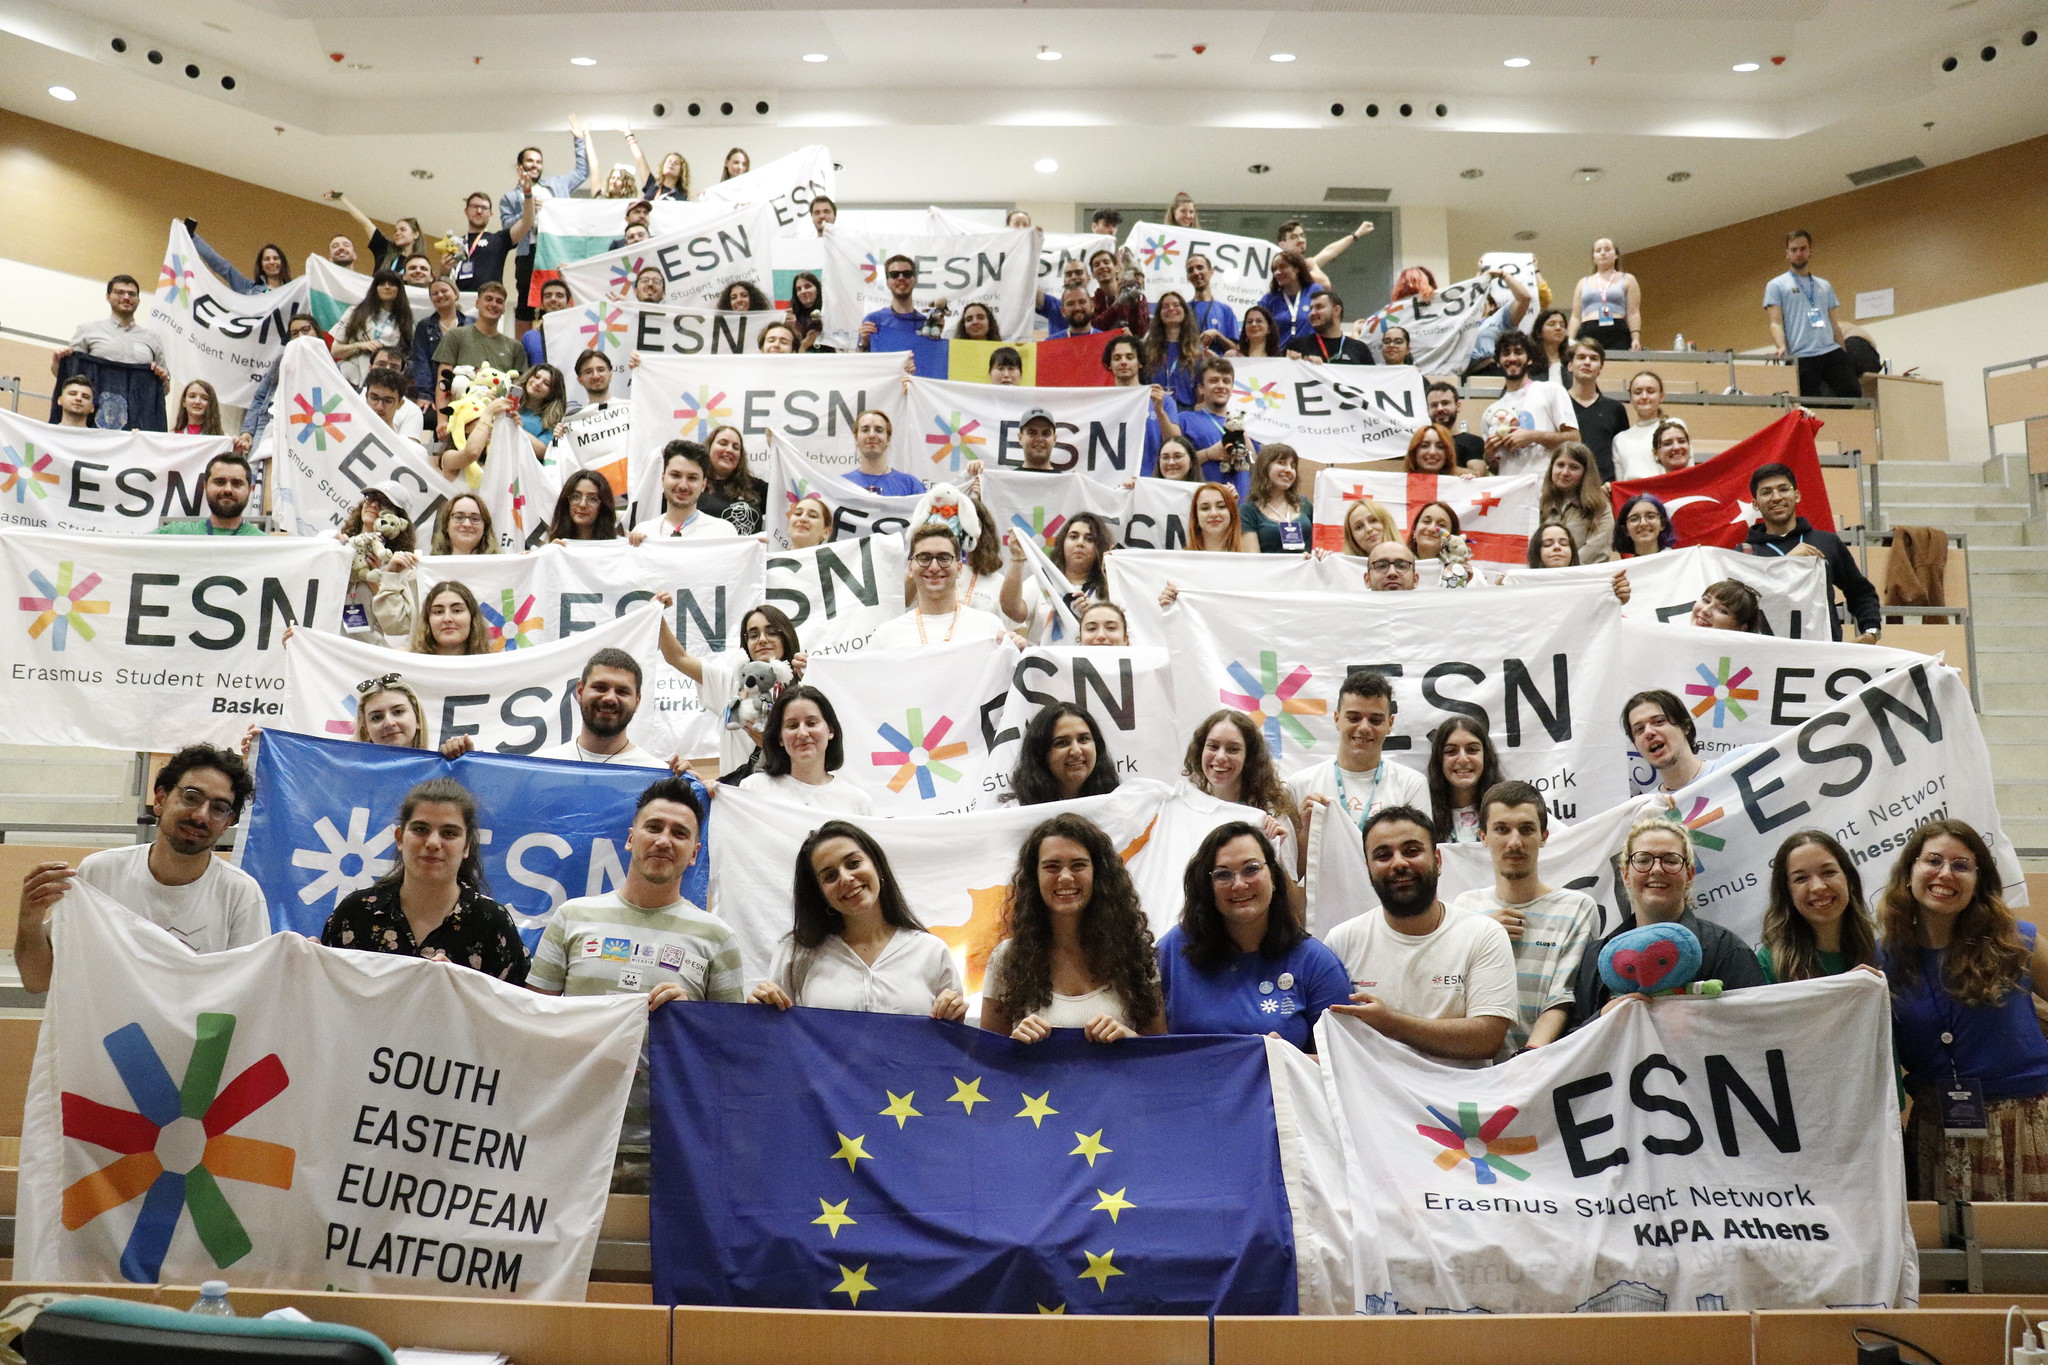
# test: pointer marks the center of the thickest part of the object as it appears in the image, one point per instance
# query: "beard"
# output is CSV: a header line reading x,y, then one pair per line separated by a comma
x,y
1405,896
225,505
607,722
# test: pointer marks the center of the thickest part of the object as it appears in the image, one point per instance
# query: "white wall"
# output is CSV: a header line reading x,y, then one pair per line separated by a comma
x,y
1954,344
33,299
1425,240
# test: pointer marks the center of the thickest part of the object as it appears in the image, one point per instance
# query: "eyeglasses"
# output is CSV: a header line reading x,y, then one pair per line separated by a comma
x,y
465,519
1959,867
903,274
1643,862
214,806
1249,873
384,684
931,561
585,500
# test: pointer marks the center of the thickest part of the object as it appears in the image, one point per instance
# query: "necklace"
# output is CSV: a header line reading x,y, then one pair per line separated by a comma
x,y
950,628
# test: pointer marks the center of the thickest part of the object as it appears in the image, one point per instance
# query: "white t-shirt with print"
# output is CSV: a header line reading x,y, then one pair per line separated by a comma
x,y
835,794
1360,794
701,526
223,909
1463,969
1537,406
909,632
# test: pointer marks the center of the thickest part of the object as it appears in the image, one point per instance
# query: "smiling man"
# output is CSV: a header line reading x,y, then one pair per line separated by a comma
x,y
1782,531
227,487
1358,781
608,695
1438,979
937,617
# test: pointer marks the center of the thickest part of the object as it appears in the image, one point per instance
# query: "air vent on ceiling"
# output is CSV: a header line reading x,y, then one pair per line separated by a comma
x,y
1891,170
1348,194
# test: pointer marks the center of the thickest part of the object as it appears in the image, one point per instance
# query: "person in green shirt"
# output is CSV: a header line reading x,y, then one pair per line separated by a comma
x,y
1816,923
226,485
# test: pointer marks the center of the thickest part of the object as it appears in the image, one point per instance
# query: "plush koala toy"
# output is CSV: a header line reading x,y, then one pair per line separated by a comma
x,y
1456,557
760,683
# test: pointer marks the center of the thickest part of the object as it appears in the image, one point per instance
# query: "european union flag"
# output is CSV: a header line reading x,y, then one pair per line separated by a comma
x,y
828,1159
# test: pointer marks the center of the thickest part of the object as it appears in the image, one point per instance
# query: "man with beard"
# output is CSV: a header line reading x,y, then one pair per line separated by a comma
x,y
1216,321
607,694
1531,418
227,485
174,881
645,938
1442,396
1438,979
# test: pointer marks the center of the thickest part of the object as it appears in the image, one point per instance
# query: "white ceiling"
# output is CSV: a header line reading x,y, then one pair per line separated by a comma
x,y
950,103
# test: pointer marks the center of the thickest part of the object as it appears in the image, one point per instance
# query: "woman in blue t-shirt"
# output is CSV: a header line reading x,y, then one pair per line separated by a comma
x,y
1964,974
1287,300
1240,961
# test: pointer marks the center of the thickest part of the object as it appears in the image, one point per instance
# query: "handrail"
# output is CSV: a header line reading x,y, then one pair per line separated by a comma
x,y
1991,450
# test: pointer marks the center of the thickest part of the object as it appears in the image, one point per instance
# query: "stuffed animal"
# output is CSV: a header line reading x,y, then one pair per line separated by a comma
x,y
1500,420
945,503
1655,959
1455,555
473,388
370,550
760,683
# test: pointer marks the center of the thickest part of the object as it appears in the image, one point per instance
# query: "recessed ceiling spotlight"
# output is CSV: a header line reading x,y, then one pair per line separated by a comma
x,y
816,57
1516,61
1679,177
1526,235
1165,56
1045,165
583,61
1587,175
1281,57
1258,168
421,173
1749,66
63,92
1046,54
1473,173
359,66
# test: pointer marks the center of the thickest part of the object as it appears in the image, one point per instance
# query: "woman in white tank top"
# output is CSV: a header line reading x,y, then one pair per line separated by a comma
x,y
1609,302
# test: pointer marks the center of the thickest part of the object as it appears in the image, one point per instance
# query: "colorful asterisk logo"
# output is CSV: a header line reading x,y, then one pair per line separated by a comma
x,y
345,728
870,269
1273,698
625,272
797,491
175,1146
955,440
1159,252
1467,1139
319,419
919,754
700,412
174,282
1036,525
1267,395
604,329
1698,818
1720,692
518,507
509,626
25,471
63,605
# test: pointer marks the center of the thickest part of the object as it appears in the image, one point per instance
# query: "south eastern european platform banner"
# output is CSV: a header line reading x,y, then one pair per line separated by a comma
x,y
153,642
290,1116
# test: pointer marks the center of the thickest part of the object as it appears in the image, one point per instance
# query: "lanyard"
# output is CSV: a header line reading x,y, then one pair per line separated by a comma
x,y
1370,796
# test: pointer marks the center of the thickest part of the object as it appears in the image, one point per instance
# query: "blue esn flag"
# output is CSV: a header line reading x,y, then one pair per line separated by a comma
x,y
829,1159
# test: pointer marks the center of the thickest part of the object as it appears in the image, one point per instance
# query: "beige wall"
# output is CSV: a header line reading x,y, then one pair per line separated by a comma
x,y
1961,231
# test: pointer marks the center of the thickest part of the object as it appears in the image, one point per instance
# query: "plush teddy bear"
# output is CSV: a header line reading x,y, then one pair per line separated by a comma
x,y
1455,555
760,683
1655,959
370,549
945,503
473,388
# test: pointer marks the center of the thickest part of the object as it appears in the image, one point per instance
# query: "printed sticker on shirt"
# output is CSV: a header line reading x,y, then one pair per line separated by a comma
x,y
592,945
643,954
617,949
1265,988
629,979
671,958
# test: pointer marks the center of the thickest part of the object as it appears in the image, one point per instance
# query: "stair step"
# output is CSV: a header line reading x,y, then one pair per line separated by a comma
x,y
2001,609
1992,560
2015,726
1932,471
2025,831
1956,516
2022,797
2030,694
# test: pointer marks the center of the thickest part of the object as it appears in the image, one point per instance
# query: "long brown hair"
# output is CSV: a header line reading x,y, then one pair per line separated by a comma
x,y
1262,473
1114,935
1795,952
208,425
1198,539
1591,496
1260,784
479,641
1985,956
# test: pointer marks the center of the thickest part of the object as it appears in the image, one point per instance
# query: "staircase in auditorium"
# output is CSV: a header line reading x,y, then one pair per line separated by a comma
x,y
2008,555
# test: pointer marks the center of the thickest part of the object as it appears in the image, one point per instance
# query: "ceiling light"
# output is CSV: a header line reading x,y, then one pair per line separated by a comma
x,y
1473,174
1749,66
1258,168
1526,235
1046,54
1516,61
583,61
1045,165
63,92
815,57
1587,175
1679,177
1281,57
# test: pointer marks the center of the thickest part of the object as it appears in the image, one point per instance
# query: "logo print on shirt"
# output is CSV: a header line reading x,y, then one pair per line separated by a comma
x,y
617,950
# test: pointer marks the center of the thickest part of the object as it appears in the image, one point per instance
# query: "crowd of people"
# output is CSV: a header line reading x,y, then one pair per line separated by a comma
x,y
1473,982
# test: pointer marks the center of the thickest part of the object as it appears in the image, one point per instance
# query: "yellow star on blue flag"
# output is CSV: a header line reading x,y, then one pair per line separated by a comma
x,y
854,1283
899,1107
1037,1110
1090,1146
1099,1269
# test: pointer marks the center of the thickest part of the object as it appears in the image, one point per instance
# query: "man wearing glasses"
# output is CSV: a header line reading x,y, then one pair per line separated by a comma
x,y
937,618
118,336
895,327
174,882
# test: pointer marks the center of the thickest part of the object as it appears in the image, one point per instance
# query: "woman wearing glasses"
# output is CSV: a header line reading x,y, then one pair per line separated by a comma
x,y
1240,961
1656,872
1965,974
463,527
585,510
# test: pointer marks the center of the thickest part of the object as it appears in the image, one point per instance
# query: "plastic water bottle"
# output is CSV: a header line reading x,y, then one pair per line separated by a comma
x,y
1678,343
213,1301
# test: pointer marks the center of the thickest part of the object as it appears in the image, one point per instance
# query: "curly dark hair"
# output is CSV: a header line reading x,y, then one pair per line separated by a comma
x,y
1986,957
1114,934
1032,782
1258,783
1208,944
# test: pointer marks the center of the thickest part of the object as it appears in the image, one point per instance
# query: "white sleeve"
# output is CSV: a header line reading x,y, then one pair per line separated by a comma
x,y
781,969
247,912
720,684
1490,974
941,972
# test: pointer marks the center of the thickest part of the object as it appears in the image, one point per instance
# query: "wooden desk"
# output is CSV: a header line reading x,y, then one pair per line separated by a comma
x,y
765,1336
1957,1336
1493,1339
1912,417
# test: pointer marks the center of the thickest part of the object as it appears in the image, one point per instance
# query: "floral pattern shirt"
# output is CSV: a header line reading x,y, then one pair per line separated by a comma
x,y
478,933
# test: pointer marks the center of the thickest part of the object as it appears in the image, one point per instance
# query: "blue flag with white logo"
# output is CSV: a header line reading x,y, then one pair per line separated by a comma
x,y
828,1159
321,825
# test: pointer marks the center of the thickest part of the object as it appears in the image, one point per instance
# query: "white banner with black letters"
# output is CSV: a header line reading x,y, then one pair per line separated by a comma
x,y
835,594
697,261
94,479
617,329
784,187
997,268
213,333
1664,586
1099,431
1330,413
1241,268
1440,332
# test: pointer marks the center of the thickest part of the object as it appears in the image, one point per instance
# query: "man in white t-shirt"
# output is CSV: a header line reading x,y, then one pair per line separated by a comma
x,y
1438,979
937,618
174,881
685,471
1358,781
1548,926
608,694
1531,418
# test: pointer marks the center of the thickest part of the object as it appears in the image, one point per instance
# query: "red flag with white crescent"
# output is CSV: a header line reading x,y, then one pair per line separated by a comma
x,y
1709,503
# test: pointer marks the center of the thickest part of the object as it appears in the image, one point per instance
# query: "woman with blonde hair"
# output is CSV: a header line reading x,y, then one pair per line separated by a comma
x,y
1367,523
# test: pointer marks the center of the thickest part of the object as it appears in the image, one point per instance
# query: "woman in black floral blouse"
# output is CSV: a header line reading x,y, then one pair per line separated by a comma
x,y
432,904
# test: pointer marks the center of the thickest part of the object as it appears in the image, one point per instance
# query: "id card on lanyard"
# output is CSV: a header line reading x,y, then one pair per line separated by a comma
x,y
1371,795
1291,538
1960,1098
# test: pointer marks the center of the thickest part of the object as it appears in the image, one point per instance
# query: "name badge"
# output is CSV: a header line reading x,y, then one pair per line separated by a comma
x,y
1817,319
355,617
1290,536
1962,1107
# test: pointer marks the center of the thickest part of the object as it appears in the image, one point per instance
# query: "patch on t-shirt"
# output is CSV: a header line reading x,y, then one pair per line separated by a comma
x,y
671,958
617,949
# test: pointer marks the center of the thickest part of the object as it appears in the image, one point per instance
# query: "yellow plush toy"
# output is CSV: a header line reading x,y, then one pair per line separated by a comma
x,y
473,388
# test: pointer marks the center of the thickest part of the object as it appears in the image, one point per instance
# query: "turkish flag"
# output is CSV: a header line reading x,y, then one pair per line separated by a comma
x,y
1709,503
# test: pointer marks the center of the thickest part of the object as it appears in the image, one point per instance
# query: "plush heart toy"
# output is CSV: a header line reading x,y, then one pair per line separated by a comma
x,y
1655,959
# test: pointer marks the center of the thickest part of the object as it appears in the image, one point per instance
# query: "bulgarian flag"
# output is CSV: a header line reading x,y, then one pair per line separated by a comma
x,y
567,230
336,289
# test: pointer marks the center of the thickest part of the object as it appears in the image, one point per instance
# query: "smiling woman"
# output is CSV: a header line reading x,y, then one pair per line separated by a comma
x,y
801,751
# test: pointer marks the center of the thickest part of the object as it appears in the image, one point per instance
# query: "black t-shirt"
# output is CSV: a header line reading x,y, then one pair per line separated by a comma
x,y
484,258
1342,351
1599,423
1471,450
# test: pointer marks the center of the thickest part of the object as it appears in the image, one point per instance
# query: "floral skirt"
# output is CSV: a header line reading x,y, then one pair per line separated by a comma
x,y
2008,1165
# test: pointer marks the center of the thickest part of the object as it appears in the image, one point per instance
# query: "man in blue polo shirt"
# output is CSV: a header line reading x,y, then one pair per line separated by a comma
x,y
1801,308
1203,424
895,327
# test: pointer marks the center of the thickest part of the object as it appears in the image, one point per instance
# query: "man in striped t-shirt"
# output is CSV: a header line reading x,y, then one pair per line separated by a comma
x,y
643,939
1549,927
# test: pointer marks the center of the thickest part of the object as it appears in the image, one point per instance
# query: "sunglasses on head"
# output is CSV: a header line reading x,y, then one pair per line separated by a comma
x,y
384,684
